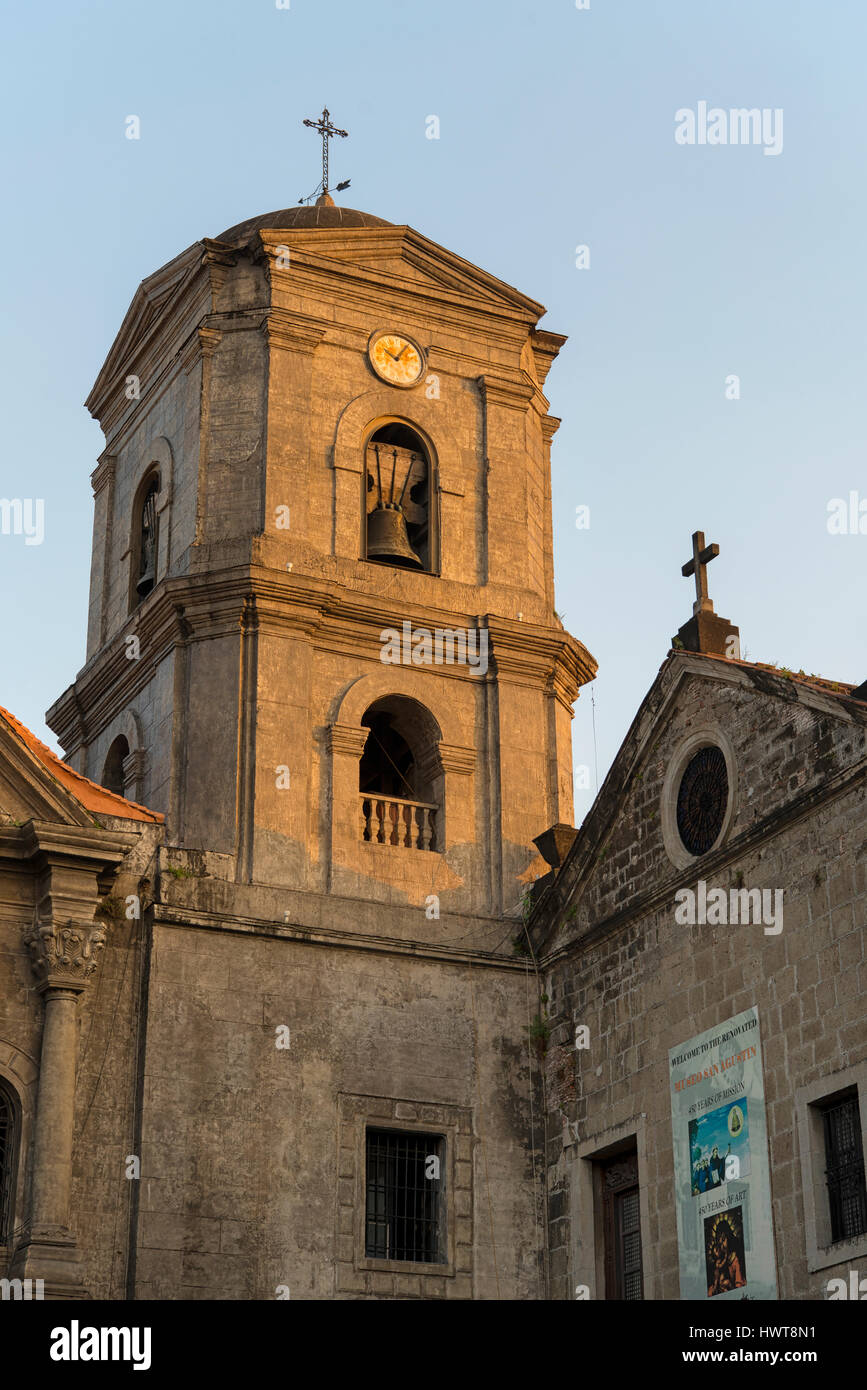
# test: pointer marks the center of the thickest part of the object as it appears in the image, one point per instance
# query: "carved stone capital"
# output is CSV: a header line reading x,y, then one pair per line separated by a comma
x,y
64,956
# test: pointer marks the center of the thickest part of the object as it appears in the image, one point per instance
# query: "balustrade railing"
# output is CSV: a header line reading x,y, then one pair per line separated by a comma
x,y
391,820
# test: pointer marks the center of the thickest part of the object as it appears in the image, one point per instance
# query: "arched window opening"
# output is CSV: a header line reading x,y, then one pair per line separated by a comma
x,y
146,568
387,763
398,499
113,772
8,1159
400,778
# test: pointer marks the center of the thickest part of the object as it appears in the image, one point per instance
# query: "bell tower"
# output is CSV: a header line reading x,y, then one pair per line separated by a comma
x,y
321,634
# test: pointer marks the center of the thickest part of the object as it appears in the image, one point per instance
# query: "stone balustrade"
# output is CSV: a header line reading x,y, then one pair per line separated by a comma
x,y
392,820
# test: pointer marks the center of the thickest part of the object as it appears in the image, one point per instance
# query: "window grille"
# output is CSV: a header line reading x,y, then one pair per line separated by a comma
x,y
404,1216
621,1217
844,1170
629,1244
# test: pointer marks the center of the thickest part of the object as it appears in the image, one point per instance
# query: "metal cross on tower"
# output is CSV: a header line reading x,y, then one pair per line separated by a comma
x,y
327,131
701,557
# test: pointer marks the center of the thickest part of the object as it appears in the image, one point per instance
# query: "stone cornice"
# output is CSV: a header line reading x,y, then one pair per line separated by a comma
x,y
166,915
337,616
291,331
427,308
520,647
218,253
545,347
202,343
103,473
87,845
512,393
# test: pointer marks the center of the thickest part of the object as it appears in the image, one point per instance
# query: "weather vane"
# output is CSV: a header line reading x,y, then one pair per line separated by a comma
x,y
327,131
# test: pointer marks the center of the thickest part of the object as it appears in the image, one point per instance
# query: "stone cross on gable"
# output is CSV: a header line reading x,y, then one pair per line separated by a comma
x,y
701,557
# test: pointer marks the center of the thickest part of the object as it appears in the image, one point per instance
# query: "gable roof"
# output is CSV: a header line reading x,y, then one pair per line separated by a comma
x,y
66,782
843,689
823,697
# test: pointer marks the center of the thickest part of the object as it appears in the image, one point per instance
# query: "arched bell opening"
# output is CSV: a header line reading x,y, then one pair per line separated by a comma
x,y
113,768
400,779
145,540
398,529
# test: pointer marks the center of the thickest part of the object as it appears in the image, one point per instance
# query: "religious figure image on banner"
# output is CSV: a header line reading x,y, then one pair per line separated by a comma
x,y
719,1146
724,1252
722,1186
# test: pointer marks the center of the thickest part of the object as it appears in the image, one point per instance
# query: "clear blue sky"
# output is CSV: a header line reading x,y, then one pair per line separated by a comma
x,y
557,129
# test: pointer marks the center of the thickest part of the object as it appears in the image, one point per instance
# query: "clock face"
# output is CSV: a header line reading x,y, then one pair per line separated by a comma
x,y
396,359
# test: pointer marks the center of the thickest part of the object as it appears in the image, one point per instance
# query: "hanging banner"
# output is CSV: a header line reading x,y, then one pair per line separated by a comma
x,y
725,1231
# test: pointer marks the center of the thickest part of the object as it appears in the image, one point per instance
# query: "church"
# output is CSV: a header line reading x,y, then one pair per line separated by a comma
x,y
311,988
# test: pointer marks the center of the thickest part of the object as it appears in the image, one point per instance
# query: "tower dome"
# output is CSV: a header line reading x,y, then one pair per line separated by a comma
x,y
323,214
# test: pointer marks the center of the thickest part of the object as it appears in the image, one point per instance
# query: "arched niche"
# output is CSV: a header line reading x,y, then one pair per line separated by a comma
x,y
122,770
360,419
152,492
422,716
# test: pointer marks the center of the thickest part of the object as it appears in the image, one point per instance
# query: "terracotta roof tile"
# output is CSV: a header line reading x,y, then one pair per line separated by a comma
x,y
91,795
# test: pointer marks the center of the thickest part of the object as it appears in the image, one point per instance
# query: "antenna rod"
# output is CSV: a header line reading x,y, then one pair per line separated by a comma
x,y
393,471
378,474
406,479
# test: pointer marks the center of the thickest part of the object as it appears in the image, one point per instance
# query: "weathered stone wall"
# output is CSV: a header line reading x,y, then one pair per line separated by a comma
x,y
641,983
250,1177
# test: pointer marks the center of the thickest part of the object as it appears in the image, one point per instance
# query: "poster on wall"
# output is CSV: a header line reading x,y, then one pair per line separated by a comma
x,y
725,1231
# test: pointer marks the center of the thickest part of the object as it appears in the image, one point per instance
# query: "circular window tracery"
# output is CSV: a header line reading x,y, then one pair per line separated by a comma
x,y
702,800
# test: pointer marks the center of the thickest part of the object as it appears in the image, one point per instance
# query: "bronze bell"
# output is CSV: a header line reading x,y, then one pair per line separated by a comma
x,y
387,537
148,543
146,581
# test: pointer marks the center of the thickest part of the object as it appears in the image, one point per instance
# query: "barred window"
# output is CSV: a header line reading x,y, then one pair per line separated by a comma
x,y
405,1212
8,1147
844,1167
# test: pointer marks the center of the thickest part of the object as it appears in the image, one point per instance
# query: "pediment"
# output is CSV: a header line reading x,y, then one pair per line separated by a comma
x,y
403,258
787,745
28,791
147,309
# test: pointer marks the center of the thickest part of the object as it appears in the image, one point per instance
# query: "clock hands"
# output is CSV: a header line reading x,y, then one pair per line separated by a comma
x,y
406,347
